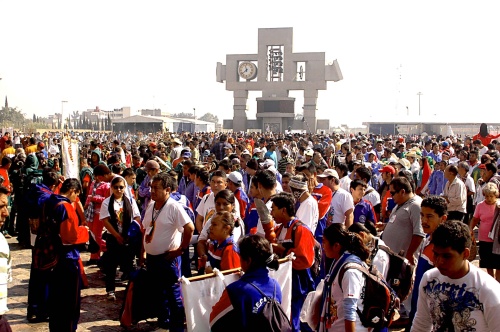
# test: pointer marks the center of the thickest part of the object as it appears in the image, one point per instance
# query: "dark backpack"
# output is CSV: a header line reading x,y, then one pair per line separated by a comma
x,y
48,242
379,300
316,267
400,273
272,318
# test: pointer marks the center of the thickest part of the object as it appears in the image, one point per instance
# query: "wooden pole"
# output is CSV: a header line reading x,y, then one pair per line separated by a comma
x,y
211,275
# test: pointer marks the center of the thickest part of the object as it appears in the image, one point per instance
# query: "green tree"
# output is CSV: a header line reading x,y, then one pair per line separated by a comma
x,y
209,117
11,116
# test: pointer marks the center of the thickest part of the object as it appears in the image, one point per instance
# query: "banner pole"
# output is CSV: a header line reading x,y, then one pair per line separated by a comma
x,y
211,275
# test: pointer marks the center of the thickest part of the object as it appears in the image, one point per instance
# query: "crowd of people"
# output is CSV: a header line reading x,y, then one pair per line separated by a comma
x,y
243,200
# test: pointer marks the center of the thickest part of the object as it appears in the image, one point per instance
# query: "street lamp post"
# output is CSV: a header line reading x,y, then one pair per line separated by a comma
x,y
419,94
62,113
194,118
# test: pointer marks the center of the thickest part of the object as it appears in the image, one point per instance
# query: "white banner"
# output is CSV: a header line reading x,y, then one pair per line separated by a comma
x,y
201,295
70,159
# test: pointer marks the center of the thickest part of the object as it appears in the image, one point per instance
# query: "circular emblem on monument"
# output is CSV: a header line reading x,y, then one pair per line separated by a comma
x,y
247,70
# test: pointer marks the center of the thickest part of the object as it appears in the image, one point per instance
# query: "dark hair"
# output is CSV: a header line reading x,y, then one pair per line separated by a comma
x,y
266,179
6,161
310,167
117,179
166,181
253,164
226,194
4,190
364,173
355,183
194,169
173,174
116,169
286,175
50,178
284,200
491,167
259,250
101,170
218,173
113,159
437,203
127,172
453,169
352,242
203,175
343,167
454,234
402,182
69,184
483,130
187,162
226,165
358,227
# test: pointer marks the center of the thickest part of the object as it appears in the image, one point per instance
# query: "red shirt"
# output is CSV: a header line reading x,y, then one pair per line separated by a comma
x,y
485,140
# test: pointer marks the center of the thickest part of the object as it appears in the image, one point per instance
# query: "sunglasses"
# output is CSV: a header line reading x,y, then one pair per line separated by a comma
x,y
119,187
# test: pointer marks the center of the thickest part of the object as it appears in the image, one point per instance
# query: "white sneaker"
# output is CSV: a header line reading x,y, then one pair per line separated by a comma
x,y
111,296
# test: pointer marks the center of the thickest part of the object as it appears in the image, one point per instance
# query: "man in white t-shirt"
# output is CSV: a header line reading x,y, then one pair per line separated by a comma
x,y
307,212
342,205
168,232
456,295
206,208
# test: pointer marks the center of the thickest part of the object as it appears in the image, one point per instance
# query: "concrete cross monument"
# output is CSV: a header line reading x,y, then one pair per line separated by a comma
x,y
275,70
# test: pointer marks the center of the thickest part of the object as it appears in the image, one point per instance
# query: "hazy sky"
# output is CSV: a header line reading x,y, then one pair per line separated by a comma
x,y
163,54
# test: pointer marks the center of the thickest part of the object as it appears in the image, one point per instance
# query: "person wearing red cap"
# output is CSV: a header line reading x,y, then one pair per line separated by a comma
x,y
41,148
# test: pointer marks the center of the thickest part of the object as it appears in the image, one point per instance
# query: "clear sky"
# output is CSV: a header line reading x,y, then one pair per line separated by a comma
x,y
163,54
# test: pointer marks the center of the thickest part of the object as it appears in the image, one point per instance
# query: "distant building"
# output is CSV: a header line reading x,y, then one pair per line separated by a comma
x,y
431,128
150,124
155,112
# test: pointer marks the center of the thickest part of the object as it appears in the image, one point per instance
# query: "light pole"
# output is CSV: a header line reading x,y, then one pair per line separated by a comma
x,y
419,94
194,122
62,113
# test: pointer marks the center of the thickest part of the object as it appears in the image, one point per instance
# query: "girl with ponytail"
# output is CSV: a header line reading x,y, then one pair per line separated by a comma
x,y
241,302
341,298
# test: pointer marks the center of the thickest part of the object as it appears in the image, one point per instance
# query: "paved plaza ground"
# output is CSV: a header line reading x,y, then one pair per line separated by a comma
x,y
97,313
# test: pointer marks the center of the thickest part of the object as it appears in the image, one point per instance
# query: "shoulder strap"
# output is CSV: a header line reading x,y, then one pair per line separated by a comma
x,y
386,249
351,265
375,250
368,191
262,293
497,212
